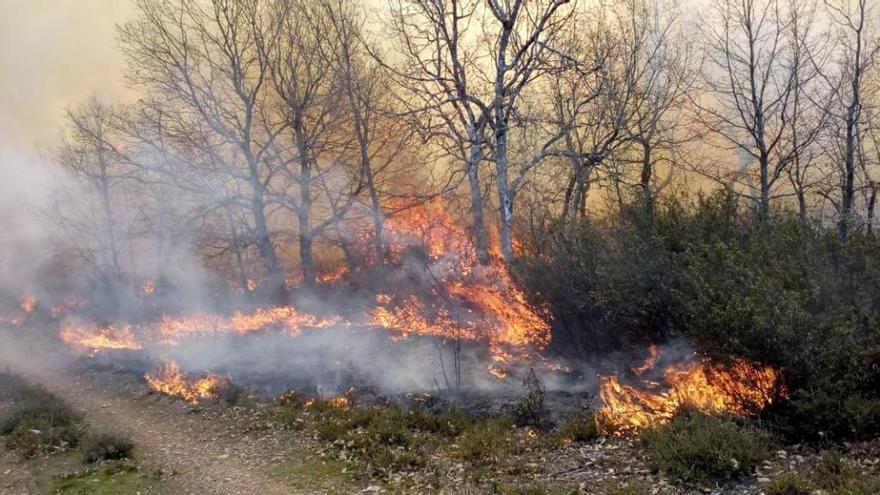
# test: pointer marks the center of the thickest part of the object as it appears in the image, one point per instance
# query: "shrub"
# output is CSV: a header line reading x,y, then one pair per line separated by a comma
x,y
699,448
105,447
579,427
836,476
788,484
229,393
630,489
776,291
39,422
529,409
484,439
450,422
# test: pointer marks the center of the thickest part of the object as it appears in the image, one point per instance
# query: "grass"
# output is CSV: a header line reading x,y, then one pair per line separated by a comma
x,y
788,484
118,478
698,448
331,475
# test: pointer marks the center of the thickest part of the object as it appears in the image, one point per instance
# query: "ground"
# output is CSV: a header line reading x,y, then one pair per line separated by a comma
x,y
215,449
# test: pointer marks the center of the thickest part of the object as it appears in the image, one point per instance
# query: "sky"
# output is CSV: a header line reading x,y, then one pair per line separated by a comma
x,y
55,53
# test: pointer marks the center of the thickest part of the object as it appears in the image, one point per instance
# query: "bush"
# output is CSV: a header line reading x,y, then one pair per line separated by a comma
x,y
105,447
579,427
529,409
788,484
836,476
698,448
484,439
780,292
229,393
40,421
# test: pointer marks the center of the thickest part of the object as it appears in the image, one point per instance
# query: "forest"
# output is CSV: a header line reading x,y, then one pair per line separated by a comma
x,y
643,222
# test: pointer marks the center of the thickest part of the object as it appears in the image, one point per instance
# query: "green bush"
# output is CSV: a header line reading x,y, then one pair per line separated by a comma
x,y
579,427
780,292
529,409
788,484
105,447
485,439
698,448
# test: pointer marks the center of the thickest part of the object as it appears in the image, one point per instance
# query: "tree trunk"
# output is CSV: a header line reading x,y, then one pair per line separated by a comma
x,y
473,173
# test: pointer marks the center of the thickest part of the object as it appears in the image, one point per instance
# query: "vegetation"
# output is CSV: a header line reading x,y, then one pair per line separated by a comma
x,y
699,448
105,446
38,421
788,484
780,291
116,478
579,427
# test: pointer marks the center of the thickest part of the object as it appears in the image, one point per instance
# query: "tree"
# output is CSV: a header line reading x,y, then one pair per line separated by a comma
x,y
750,82
208,59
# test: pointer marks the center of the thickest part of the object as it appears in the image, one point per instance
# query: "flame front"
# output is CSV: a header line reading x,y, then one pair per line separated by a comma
x,y
170,380
739,389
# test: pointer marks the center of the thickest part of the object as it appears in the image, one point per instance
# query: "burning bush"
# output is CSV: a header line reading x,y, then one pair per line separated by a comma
x,y
778,292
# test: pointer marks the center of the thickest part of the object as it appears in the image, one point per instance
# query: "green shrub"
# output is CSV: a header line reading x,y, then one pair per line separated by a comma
x,y
776,291
699,448
579,427
448,423
105,447
630,489
485,439
836,476
788,484
529,409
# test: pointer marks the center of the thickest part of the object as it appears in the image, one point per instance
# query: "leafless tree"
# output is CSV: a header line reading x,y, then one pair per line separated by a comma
x,y
208,59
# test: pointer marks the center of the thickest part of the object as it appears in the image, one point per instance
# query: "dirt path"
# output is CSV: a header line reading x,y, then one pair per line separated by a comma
x,y
206,453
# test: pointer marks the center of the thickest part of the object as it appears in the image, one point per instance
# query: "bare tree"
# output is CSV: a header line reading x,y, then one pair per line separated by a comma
x,y
855,52
89,150
750,85
441,87
208,59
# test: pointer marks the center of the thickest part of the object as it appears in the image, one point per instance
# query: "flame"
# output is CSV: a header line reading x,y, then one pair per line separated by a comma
x,y
168,379
28,303
471,301
740,389
117,336
170,330
148,288
334,275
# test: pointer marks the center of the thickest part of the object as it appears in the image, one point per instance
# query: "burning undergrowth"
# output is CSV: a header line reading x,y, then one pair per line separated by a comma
x,y
432,319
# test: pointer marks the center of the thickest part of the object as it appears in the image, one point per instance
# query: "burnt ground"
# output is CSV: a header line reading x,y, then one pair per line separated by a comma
x,y
217,449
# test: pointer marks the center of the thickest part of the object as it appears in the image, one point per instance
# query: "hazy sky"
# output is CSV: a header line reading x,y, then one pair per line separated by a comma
x,y
54,53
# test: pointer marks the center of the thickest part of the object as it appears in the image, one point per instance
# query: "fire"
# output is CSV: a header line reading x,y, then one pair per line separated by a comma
x,y
170,330
28,303
739,389
148,288
117,336
470,300
170,380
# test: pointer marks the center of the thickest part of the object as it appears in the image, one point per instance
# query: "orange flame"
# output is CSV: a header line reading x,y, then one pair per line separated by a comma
x,y
740,389
490,305
170,380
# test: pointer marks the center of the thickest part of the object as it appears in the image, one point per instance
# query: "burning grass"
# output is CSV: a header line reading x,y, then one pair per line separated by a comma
x,y
170,380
